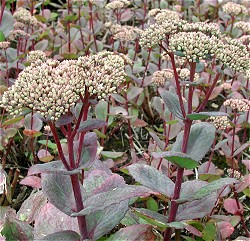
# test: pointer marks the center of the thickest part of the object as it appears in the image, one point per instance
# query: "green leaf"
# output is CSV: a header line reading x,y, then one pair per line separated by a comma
x,y
2,37
204,115
153,218
180,159
209,232
48,143
200,139
209,177
171,101
152,204
12,121
112,154
13,229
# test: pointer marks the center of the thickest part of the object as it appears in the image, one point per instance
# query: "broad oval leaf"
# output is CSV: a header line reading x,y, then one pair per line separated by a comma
x,y
62,235
103,200
90,125
204,115
58,189
200,139
151,178
171,101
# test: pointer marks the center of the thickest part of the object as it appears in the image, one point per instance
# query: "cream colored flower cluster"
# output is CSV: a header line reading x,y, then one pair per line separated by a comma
x,y
124,33
39,88
165,15
117,4
220,122
102,73
207,28
159,77
194,45
16,34
51,88
35,55
184,74
245,26
235,55
157,32
23,15
241,105
4,45
234,9
19,26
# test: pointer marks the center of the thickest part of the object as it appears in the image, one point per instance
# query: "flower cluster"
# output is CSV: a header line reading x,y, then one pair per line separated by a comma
x,y
160,76
50,88
36,55
124,33
245,26
117,4
194,45
234,9
233,173
241,105
22,15
220,122
211,29
102,73
16,34
184,74
19,26
235,55
4,45
165,15
155,33
38,87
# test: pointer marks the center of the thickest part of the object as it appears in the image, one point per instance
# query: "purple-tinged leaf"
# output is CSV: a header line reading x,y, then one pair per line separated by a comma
x,y
51,167
180,159
103,200
64,120
58,189
33,122
32,181
241,148
62,235
247,164
245,183
92,124
134,92
6,212
151,178
126,15
102,222
137,232
225,229
44,155
14,229
200,140
160,143
231,206
171,101
119,98
207,189
196,209
89,150
193,230
152,217
118,110
57,220
31,207
207,168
